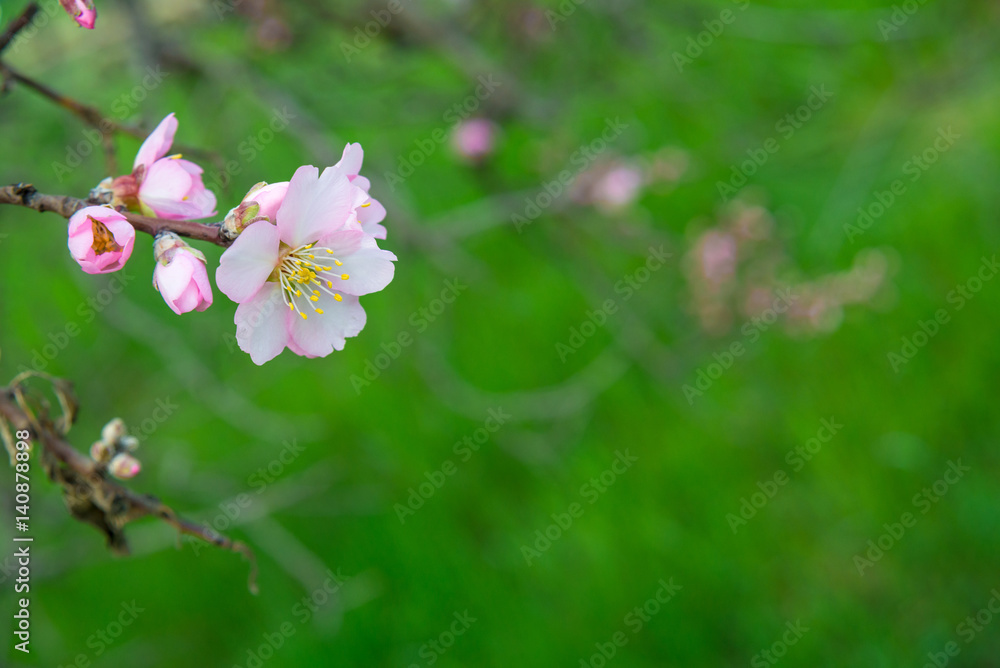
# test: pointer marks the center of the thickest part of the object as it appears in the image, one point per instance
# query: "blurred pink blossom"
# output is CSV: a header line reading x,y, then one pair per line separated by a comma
x,y
617,188
474,139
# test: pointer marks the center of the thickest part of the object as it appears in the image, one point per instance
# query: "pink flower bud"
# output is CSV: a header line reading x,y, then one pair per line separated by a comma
x,y
124,466
474,139
82,11
100,239
180,274
261,203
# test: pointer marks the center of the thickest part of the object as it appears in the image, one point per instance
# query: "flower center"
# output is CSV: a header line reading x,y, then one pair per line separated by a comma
x,y
301,276
104,241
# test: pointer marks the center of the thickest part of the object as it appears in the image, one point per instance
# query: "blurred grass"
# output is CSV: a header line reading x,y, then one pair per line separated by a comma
x,y
494,347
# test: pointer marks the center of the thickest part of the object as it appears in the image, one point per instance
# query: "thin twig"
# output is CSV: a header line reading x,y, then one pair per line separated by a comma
x,y
17,25
81,473
24,194
97,120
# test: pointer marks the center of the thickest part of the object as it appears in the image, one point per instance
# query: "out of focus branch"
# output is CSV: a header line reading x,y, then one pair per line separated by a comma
x,y
17,25
91,495
95,119
24,194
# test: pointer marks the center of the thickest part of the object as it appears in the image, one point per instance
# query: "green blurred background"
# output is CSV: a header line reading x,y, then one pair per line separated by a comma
x,y
340,457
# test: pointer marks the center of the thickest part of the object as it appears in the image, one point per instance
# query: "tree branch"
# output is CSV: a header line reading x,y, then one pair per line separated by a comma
x,y
24,194
95,119
91,495
17,25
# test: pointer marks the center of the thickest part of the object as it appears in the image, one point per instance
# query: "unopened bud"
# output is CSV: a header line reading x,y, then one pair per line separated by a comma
x,y
242,216
168,244
113,431
130,443
100,452
124,466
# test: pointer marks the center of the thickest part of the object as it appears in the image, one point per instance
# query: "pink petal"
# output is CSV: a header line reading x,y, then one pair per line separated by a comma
x,y
263,323
166,181
245,265
270,198
188,300
370,217
320,335
314,206
369,268
361,182
204,288
157,144
351,160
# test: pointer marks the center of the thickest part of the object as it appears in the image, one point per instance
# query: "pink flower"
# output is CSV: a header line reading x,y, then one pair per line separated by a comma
x,y
82,11
180,274
370,212
100,239
298,280
165,187
474,139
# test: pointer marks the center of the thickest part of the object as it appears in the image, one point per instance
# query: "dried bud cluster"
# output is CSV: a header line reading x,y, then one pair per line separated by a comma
x,y
115,448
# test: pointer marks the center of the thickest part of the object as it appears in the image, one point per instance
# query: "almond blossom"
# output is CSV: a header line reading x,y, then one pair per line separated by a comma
x,y
160,185
100,239
297,279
